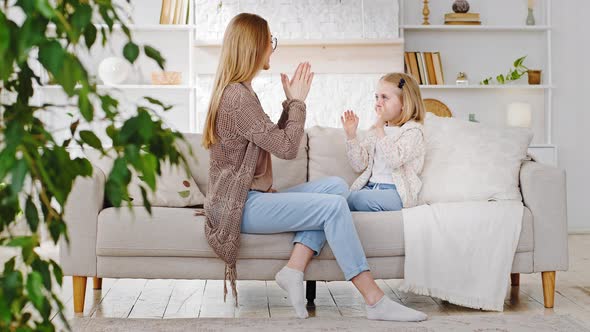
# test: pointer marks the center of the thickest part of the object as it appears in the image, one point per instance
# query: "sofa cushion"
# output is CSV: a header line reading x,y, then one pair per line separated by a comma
x,y
286,173
327,154
468,161
175,187
177,232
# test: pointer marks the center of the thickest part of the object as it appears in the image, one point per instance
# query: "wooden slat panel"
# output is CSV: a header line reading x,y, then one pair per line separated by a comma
x,y
331,57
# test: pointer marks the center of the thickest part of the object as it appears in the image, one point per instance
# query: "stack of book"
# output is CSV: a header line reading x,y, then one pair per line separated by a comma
x,y
175,12
462,19
425,67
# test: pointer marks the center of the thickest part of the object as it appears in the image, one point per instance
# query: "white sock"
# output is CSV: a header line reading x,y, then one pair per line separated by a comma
x,y
291,281
387,309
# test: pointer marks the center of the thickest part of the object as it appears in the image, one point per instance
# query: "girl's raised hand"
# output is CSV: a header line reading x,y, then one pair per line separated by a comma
x,y
350,123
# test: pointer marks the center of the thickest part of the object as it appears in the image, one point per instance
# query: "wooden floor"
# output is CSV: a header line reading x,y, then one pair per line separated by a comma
x,y
137,298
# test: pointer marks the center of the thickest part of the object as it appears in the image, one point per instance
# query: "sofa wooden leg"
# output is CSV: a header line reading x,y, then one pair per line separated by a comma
x,y
310,292
515,279
79,293
548,288
97,283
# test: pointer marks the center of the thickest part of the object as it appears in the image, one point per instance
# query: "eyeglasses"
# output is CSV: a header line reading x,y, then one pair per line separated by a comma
x,y
273,42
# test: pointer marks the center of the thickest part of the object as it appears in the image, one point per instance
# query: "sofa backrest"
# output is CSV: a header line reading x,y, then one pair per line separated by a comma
x,y
286,173
327,154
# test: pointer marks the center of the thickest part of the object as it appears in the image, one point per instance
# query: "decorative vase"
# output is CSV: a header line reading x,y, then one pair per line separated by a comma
x,y
534,76
530,19
113,70
460,6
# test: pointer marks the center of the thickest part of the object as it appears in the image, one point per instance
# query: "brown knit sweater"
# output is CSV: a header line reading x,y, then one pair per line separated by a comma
x,y
243,130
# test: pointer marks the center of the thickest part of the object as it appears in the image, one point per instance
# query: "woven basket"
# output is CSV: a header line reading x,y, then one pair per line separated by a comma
x,y
437,108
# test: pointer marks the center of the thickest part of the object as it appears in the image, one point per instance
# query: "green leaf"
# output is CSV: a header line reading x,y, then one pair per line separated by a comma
x,y
42,267
145,126
518,62
159,103
90,35
31,214
129,130
146,202
500,79
91,139
34,284
184,193
45,8
85,106
131,52
154,54
150,164
51,56
9,266
81,17
57,272
132,154
4,35
19,171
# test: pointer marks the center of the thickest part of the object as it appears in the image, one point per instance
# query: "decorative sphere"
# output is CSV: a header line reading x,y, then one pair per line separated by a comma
x,y
113,70
460,6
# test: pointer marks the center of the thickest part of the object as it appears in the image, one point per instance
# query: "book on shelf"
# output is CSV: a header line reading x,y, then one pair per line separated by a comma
x,y
175,12
430,68
425,67
438,70
422,67
462,16
413,66
462,19
463,23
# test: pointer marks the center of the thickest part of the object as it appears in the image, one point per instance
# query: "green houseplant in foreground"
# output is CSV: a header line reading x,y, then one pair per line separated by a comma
x,y
37,171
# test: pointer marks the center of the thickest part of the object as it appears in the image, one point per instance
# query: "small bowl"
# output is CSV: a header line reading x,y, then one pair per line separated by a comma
x,y
166,77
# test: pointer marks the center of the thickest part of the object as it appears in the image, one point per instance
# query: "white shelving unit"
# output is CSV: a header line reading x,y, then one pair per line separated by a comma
x,y
481,51
175,42
195,57
485,51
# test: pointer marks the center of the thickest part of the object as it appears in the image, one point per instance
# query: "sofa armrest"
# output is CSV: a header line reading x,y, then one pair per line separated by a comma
x,y
544,193
81,214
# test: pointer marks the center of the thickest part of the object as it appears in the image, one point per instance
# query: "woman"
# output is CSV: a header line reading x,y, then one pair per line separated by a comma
x,y
240,197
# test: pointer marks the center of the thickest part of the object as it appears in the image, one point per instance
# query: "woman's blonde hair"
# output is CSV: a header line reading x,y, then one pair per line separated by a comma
x,y
413,107
242,53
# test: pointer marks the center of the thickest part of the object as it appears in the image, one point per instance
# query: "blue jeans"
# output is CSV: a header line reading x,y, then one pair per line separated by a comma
x,y
316,211
375,197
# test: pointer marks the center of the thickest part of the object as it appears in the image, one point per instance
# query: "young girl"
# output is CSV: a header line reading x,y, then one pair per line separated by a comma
x,y
391,156
240,197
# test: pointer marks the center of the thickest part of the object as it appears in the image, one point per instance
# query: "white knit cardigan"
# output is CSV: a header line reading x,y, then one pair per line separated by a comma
x,y
404,152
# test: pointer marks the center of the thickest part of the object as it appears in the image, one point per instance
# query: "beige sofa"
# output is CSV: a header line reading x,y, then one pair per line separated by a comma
x,y
119,243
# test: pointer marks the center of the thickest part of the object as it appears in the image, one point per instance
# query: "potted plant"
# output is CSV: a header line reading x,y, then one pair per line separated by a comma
x,y
37,171
515,73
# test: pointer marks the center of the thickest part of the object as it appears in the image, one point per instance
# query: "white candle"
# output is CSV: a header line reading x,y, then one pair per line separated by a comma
x,y
519,115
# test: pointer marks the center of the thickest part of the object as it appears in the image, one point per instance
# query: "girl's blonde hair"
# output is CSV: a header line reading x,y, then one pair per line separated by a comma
x,y
413,107
242,53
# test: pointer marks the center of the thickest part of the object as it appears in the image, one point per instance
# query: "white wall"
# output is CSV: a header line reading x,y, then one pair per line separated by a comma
x,y
571,132
331,94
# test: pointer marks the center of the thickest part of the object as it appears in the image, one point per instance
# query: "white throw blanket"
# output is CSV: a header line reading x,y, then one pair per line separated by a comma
x,y
462,252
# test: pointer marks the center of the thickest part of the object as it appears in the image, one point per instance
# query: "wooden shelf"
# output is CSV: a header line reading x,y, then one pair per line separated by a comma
x,y
328,56
316,42
147,27
508,28
127,86
490,87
